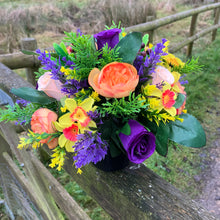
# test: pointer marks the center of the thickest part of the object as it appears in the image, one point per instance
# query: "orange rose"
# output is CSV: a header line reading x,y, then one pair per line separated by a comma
x,y
50,86
115,80
41,121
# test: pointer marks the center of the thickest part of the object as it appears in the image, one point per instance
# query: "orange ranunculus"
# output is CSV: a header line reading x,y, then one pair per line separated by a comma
x,y
50,86
41,121
115,80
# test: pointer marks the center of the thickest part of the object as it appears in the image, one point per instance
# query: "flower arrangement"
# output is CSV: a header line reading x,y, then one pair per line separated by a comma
x,y
112,93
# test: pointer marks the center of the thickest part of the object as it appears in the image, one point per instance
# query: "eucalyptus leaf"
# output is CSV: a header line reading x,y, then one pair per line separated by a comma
x,y
188,133
32,95
126,129
29,52
180,100
162,139
114,150
129,46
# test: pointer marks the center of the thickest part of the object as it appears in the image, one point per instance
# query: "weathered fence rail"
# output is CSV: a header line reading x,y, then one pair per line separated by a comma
x,y
153,25
133,193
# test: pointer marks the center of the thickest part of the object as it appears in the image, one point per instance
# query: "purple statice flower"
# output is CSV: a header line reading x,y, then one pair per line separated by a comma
x,y
52,65
71,86
79,32
22,102
68,63
19,122
148,66
89,148
95,116
138,64
182,82
110,37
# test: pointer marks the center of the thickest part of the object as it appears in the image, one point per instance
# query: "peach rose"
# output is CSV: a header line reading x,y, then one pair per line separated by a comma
x,y
115,80
50,86
162,74
41,121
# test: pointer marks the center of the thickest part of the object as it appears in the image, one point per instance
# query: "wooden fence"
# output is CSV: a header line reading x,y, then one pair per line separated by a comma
x,y
132,193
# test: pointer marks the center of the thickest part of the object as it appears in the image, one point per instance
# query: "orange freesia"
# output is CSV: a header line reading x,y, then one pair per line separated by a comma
x,y
115,80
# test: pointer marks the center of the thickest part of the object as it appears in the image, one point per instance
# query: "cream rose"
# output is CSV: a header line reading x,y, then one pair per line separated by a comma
x,y
50,86
162,74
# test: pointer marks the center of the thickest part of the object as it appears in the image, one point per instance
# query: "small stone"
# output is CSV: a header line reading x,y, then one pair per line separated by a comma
x,y
217,197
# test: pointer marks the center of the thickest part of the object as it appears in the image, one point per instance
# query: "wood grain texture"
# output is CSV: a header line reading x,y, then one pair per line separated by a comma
x,y
136,193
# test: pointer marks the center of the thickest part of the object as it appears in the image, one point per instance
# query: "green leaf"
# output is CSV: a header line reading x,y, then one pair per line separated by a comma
x,y
188,133
162,139
32,95
145,39
129,46
114,151
125,129
180,100
59,50
29,52
63,46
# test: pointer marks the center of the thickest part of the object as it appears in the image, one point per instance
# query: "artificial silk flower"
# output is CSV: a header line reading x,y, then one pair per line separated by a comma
x,y
50,86
173,61
160,75
115,80
161,99
139,144
42,121
110,37
74,122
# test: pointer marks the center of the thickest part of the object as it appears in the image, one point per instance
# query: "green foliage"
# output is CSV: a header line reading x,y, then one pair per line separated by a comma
x,y
60,49
113,26
188,133
110,129
162,136
124,108
129,46
145,39
40,73
32,95
191,66
179,101
85,55
108,56
16,113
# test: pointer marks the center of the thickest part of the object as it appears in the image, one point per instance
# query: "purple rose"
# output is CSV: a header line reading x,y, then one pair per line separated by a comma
x,y
111,37
140,144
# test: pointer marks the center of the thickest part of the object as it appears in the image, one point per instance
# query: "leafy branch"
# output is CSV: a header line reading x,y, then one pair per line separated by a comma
x,y
123,108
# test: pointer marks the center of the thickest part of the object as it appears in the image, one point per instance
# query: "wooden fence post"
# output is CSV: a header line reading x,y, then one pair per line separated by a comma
x,y
216,21
30,44
191,33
